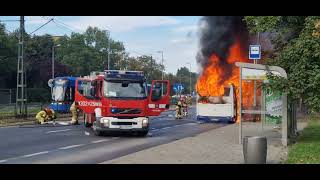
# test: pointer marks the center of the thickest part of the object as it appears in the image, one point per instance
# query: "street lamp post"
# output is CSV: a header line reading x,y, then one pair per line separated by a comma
x,y
162,68
108,49
52,62
190,79
123,61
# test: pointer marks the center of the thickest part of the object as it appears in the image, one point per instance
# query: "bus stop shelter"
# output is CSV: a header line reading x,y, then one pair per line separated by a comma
x,y
255,72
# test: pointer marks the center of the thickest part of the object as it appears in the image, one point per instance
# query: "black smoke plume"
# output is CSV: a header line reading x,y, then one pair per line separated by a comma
x,y
217,34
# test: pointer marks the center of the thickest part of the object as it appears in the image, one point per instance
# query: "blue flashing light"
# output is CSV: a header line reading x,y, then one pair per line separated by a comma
x,y
113,110
114,72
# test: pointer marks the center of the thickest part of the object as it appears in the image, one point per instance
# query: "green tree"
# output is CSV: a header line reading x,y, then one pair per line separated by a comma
x,y
8,58
297,50
88,52
183,77
149,66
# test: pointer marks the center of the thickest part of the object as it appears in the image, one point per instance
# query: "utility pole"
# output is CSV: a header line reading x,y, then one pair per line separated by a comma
x,y
180,85
255,82
190,79
21,106
52,60
123,61
109,50
152,65
162,68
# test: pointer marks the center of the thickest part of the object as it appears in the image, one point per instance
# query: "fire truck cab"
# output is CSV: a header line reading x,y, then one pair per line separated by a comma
x,y
120,101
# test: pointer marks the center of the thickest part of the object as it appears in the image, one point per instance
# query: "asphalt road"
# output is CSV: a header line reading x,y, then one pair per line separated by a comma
x,y
64,144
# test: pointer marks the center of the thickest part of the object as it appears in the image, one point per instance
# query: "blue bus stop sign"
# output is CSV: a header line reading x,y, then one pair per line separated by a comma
x,y
255,52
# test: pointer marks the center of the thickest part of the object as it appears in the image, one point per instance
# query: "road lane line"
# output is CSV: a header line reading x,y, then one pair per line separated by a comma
x,y
72,146
191,124
63,130
55,150
99,141
178,125
35,154
2,161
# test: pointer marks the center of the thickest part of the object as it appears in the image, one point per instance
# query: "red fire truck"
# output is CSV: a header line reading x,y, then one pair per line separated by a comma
x,y
120,101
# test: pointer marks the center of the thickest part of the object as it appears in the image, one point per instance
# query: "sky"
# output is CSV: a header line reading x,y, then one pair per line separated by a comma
x,y
176,36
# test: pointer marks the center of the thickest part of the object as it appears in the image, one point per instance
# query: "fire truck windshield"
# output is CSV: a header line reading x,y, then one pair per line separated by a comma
x,y
124,90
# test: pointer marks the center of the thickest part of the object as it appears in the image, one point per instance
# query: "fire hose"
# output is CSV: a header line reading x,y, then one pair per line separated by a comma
x,y
53,124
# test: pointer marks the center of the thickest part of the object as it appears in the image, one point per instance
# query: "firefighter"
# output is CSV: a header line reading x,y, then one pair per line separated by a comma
x,y
51,114
188,103
179,109
45,115
189,100
184,106
75,114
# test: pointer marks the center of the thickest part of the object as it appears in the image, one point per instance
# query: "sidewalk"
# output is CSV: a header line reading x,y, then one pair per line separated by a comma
x,y
218,146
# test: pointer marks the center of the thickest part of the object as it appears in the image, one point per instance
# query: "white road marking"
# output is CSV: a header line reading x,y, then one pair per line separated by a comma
x,y
191,124
35,154
72,146
54,150
86,133
103,140
2,161
99,141
166,128
58,131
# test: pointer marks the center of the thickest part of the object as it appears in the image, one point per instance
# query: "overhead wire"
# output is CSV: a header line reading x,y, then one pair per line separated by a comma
x,y
41,26
59,23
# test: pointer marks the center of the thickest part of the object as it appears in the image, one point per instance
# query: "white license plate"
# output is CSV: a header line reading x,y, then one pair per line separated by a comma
x,y
126,127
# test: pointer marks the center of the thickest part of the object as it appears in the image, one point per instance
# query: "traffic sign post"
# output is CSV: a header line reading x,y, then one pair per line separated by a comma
x,y
255,54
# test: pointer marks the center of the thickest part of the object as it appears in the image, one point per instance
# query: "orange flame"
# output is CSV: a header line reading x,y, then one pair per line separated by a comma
x,y
216,76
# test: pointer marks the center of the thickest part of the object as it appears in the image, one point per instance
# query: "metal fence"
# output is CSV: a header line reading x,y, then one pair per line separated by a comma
x,y
34,95
7,113
6,96
8,110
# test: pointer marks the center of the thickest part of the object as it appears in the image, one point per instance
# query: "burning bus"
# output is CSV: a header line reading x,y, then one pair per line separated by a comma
x,y
223,41
218,108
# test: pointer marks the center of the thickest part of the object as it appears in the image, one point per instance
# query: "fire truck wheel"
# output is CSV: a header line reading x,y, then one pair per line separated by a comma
x,y
142,134
86,124
97,133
